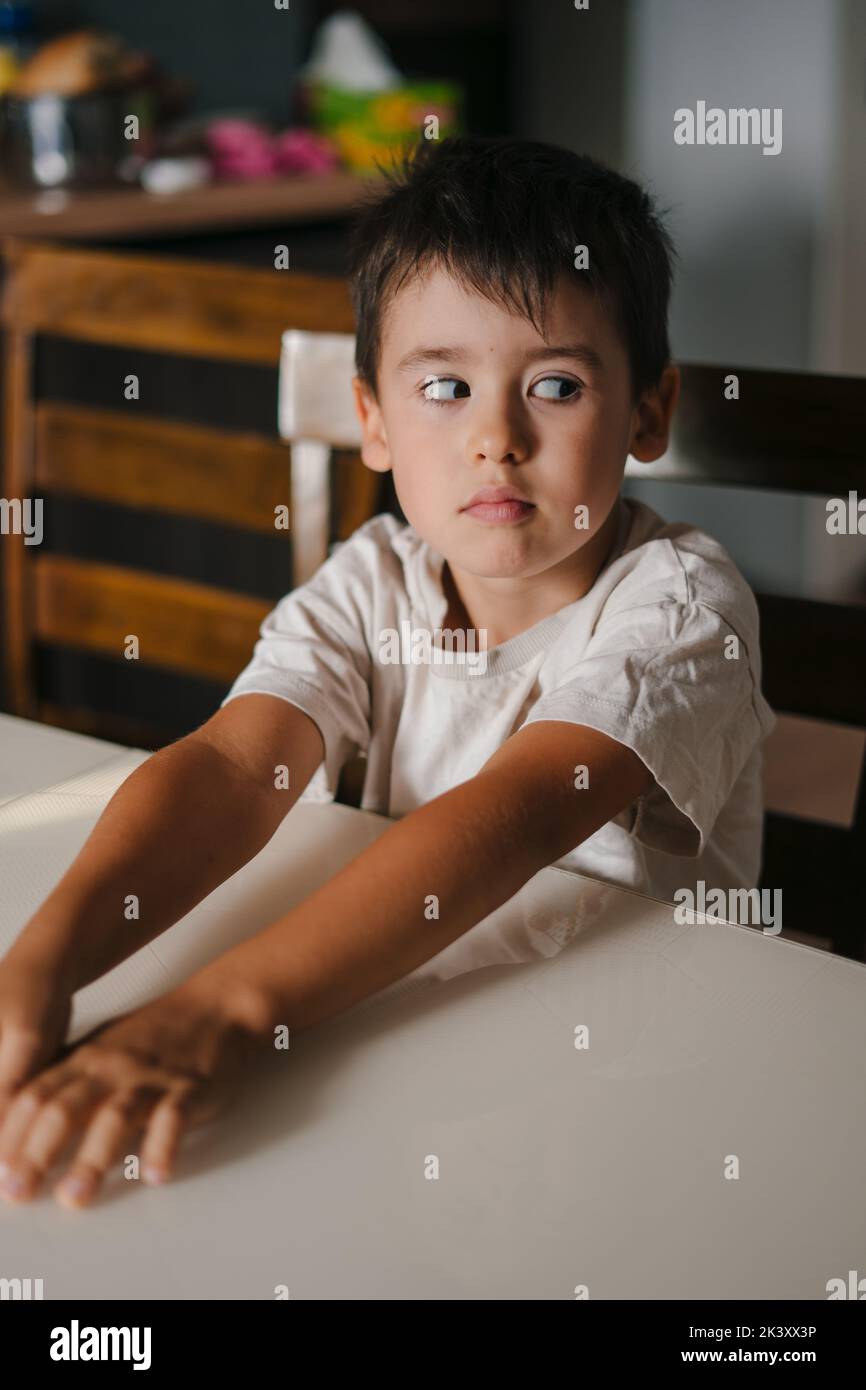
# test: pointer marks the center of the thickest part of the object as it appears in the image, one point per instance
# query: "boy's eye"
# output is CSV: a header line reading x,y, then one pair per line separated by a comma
x,y
438,388
441,389
557,388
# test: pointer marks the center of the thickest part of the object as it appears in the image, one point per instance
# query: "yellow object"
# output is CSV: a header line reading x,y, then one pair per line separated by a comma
x,y
393,113
371,128
8,69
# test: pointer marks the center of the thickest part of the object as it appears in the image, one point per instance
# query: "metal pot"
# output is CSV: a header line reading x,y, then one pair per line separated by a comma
x,y
74,142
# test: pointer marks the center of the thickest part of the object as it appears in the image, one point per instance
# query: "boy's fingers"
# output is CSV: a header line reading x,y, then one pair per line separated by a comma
x,y
110,1129
58,1119
21,1113
165,1130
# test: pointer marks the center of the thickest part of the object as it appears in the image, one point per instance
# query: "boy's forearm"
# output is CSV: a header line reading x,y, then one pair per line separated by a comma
x,y
180,825
428,879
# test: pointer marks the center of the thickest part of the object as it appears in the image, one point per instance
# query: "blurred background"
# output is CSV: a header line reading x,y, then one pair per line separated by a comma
x,y
260,123
771,273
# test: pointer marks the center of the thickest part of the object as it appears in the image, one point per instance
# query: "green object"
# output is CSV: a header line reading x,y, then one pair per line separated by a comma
x,y
370,128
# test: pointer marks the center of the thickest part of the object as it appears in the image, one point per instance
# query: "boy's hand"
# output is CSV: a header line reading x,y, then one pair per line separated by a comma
x,y
162,1069
34,1015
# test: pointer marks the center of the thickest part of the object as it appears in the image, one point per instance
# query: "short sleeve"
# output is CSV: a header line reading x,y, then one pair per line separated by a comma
x,y
312,652
678,685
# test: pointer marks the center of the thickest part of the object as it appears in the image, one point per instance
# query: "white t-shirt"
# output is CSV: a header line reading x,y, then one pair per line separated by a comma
x,y
647,656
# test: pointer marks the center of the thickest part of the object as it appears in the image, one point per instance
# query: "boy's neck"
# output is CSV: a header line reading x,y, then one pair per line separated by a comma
x,y
472,605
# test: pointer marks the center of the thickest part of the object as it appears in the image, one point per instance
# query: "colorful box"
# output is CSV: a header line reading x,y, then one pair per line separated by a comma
x,y
371,128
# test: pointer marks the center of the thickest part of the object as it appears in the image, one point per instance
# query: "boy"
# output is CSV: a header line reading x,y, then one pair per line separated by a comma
x,y
512,350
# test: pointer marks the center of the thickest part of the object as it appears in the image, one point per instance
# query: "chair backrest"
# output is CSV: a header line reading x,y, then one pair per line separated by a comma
x,y
799,433
130,458
316,417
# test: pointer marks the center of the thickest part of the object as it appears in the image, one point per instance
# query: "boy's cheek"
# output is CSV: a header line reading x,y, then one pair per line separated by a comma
x,y
424,486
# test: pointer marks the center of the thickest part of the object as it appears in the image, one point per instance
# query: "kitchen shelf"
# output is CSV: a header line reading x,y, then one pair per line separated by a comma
x,y
117,213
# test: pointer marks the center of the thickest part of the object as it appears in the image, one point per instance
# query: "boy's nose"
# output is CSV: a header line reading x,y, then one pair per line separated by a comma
x,y
499,441
497,455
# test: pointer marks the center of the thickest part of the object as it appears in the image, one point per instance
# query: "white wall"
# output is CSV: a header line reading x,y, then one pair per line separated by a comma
x,y
837,567
748,226
771,271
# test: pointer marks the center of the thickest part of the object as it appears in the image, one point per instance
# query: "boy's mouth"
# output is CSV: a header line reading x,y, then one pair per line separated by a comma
x,y
498,504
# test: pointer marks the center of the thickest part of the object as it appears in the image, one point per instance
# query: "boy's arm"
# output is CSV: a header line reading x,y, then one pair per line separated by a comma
x,y
473,847
181,824
167,1065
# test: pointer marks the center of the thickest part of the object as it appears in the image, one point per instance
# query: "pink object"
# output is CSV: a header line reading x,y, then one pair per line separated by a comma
x,y
230,134
242,149
301,151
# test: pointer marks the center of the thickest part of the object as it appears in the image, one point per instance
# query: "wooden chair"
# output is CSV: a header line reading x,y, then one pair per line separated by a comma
x,y
130,458
316,417
802,433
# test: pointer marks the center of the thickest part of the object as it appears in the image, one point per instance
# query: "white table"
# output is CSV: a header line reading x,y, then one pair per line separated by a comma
x,y
558,1167
37,755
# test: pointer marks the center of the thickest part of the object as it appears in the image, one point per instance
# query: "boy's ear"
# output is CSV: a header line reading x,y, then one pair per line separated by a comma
x,y
374,442
654,413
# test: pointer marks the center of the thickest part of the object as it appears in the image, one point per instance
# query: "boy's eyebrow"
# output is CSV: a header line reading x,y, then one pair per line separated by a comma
x,y
581,352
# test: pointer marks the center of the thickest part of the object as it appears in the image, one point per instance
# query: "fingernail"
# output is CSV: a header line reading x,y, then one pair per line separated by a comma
x,y
13,1183
154,1175
73,1188
4,1168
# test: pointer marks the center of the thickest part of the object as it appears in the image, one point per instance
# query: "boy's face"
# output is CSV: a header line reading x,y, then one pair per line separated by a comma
x,y
471,396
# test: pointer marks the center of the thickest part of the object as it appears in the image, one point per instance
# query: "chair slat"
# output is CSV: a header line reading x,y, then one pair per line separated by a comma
x,y
816,867
357,493
140,461
15,476
792,431
181,626
118,728
201,310
814,658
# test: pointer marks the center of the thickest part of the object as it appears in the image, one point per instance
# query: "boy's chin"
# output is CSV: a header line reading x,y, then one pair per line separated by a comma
x,y
512,554
498,557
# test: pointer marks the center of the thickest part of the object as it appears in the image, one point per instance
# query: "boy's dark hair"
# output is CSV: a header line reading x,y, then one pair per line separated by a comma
x,y
503,216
